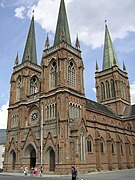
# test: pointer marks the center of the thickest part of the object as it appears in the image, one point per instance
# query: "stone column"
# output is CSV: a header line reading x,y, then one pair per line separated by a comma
x,y
134,155
98,153
128,163
118,144
109,154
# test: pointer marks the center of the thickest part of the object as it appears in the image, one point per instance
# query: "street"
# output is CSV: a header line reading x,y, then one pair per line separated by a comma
x,y
113,175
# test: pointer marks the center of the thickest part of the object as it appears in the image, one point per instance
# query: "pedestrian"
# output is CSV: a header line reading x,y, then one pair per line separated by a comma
x,y
36,171
26,170
41,171
74,173
21,169
31,171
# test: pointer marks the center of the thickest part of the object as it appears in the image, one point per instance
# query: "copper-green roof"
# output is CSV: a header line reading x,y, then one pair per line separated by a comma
x,y
62,29
30,47
109,58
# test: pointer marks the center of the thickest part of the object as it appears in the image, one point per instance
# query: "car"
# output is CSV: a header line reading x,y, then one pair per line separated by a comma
x,y
1,170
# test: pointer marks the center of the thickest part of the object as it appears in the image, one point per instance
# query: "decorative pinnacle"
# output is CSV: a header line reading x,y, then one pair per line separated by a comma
x,y
47,44
114,61
124,67
16,60
97,68
77,44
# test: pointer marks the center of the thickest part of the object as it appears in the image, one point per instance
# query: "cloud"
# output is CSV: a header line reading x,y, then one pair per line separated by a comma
x,y
132,92
2,5
19,12
94,90
16,3
23,2
86,18
3,116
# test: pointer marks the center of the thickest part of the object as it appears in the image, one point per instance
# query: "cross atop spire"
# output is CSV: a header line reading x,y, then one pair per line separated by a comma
x,y
109,58
105,22
30,47
62,30
33,12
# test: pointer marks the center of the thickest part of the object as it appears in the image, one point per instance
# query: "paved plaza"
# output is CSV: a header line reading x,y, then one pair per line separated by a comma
x,y
113,175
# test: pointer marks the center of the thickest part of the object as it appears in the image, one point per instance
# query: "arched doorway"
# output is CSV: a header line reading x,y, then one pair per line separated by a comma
x,y
30,155
13,159
52,160
32,158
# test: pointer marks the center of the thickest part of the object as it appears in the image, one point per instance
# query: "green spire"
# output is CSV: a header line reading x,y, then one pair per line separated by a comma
x,y
30,47
109,58
62,30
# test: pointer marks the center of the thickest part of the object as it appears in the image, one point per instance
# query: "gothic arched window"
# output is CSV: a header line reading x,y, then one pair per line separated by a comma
x,y
122,89
102,91
112,88
113,147
71,75
82,145
107,90
18,88
121,148
51,111
53,75
74,110
124,92
89,144
33,85
102,145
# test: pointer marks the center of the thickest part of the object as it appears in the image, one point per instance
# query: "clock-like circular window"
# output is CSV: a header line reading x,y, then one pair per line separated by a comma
x,y
34,117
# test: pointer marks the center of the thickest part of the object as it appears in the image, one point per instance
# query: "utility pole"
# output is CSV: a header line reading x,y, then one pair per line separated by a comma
x,y
41,134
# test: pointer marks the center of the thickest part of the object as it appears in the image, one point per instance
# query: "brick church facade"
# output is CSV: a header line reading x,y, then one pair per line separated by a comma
x,y
50,121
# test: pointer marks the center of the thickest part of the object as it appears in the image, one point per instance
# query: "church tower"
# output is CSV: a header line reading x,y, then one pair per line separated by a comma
x,y
112,85
62,63
24,89
47,101
62,92
27,71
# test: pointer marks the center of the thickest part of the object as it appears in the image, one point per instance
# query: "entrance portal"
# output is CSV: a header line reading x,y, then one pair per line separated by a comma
x,y
33,158
13,154
30,154
52,160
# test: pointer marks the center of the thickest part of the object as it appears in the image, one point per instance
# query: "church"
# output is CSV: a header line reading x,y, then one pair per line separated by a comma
x,y
51,123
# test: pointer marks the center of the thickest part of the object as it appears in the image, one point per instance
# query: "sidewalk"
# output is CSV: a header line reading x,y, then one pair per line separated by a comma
x,y
68,175
22,174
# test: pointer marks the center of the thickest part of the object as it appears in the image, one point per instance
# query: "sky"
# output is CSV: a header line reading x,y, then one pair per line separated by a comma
x,y
86,19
